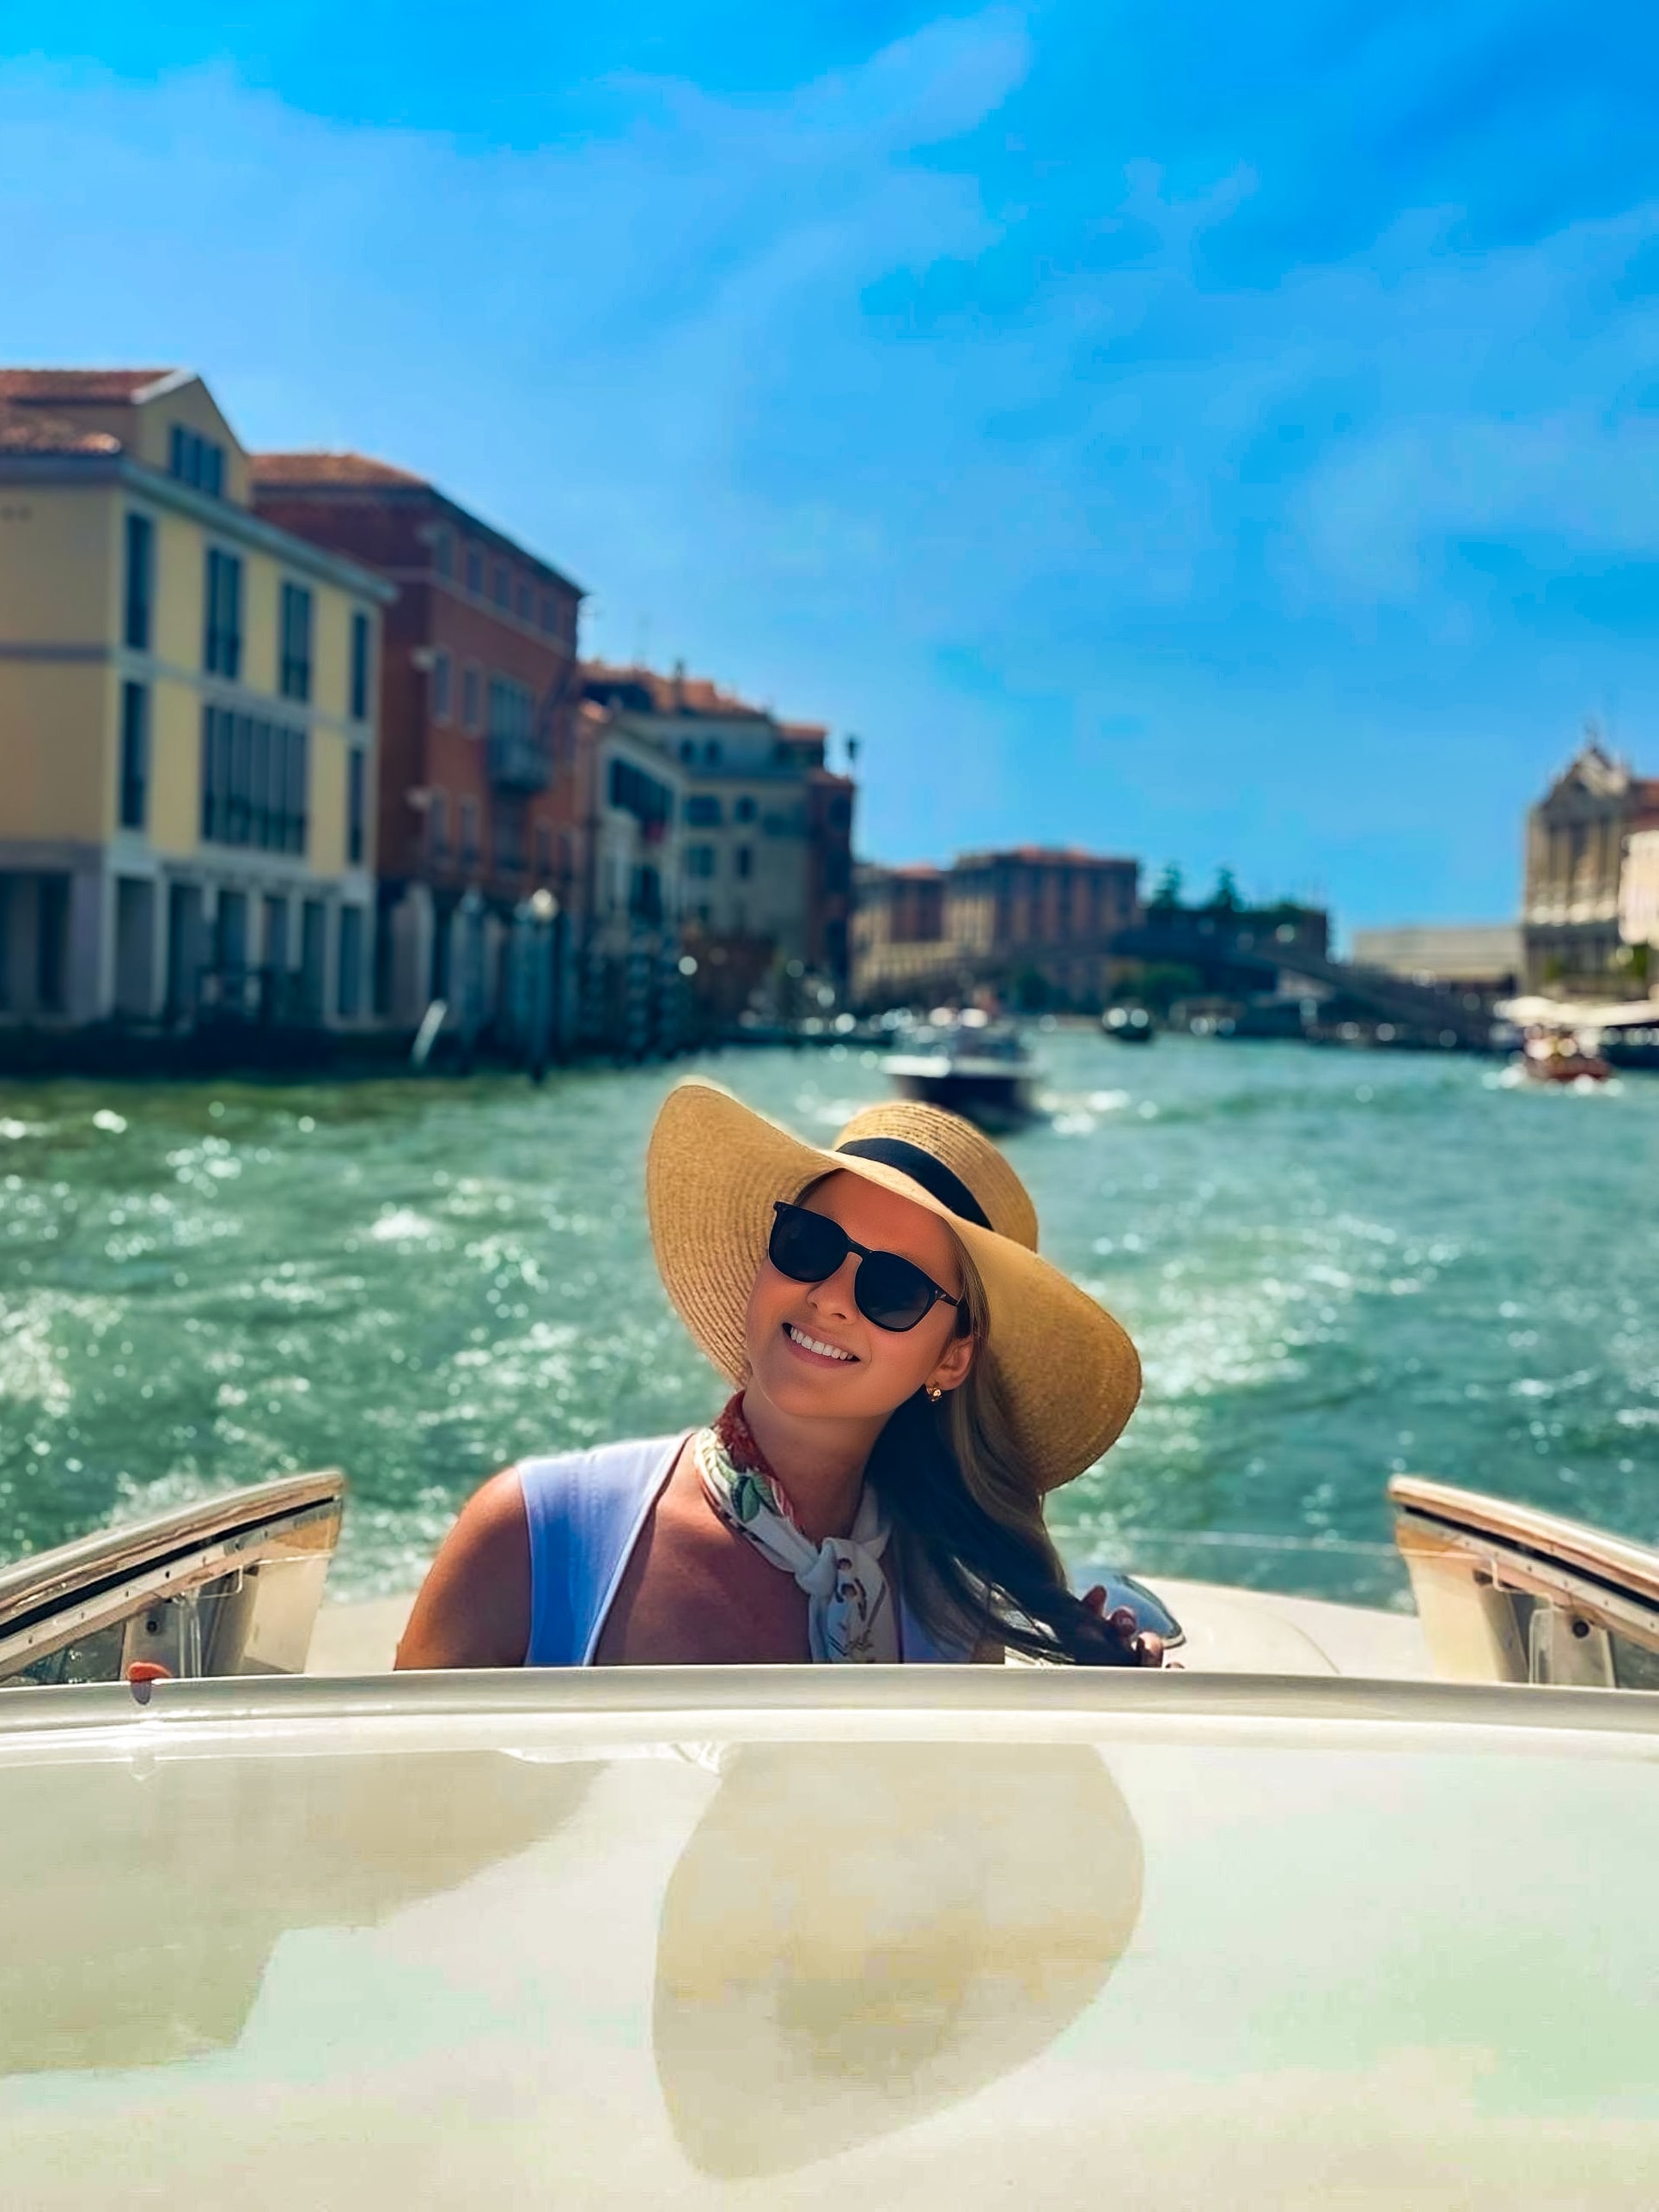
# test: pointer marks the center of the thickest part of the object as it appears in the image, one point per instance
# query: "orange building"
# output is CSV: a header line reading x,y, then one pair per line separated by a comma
x,y
478,799
1032,919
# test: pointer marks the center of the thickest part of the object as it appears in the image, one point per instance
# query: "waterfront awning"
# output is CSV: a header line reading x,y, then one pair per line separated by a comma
x,y
1574,1013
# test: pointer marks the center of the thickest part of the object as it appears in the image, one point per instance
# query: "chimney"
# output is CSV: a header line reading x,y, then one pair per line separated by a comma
x,y
680,687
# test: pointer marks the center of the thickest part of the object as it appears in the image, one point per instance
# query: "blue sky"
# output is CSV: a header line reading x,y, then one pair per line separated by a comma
x,y
1213,434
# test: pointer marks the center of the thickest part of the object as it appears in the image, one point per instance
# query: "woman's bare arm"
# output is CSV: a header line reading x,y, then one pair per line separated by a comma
x,y
473,1609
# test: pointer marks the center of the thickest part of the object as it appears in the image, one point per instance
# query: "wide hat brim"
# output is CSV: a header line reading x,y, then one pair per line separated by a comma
x,y
1068,1374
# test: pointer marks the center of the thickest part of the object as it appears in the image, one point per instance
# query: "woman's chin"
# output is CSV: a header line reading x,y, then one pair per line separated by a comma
x,y
796,1385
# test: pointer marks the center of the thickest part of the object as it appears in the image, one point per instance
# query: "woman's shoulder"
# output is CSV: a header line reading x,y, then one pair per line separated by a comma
x,y
474,1608
595,1471
523,1534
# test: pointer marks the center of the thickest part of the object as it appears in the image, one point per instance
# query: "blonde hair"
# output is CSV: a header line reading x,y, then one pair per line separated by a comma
x,y
981,1435
973,1546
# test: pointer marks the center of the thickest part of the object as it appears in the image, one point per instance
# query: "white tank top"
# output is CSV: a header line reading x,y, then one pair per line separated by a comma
x,y
586,1512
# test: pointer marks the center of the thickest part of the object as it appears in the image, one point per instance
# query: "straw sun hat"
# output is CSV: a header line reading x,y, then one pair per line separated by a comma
x,y
1068,1373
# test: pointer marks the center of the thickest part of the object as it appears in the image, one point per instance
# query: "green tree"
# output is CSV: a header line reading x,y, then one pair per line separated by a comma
x,y
1031,993
1160,983
1167,894
1224,898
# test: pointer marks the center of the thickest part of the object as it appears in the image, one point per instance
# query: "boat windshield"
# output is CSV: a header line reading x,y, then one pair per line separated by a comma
x,y
1509,1595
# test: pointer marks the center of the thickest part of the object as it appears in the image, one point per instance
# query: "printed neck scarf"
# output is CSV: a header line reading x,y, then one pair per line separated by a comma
x,y
850,1614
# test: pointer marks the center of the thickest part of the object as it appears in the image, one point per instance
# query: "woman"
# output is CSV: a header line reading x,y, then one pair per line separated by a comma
x,y
911,1379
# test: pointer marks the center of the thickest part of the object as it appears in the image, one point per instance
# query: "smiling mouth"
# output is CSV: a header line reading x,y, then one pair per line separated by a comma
x,y
816,1348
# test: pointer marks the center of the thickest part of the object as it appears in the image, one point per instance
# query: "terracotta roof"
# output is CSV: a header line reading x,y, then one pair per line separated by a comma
x,y
671,695
89,386
1047,857
31,430
330,468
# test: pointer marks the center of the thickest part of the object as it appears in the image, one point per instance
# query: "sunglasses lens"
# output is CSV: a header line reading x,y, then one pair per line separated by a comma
x,y
806,1246
891,1292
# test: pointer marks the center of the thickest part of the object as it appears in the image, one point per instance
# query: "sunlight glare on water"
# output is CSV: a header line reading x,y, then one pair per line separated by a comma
x,y
1336,1266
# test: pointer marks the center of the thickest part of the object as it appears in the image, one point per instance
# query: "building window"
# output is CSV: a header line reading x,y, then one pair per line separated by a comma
x,y
443,685
524,602
350,997
276,934
703,811
135,754
712,751
550,614
743,811
230,933
437,829
254,782
472,695
700,860
501,585
359,667
443,549
52,942
509,826
744,859
140,582
544,851
645,897
221,644
355,805
687,750
649,802
475,571
469,833
294,672
512,708
195,460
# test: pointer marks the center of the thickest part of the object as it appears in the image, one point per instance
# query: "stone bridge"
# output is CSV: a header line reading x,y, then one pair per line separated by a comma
x,y
1229,963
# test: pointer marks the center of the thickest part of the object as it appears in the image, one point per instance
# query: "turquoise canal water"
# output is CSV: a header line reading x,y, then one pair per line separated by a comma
x,y
1336,1264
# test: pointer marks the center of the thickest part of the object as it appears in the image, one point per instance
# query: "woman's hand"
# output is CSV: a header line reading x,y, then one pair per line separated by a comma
x,y
1143,1647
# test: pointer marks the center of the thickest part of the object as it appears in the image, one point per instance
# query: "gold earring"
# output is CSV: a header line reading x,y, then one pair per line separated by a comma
x,y
935,1392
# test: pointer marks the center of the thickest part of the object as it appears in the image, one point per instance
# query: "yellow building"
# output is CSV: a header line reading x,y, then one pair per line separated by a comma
x,y
187,719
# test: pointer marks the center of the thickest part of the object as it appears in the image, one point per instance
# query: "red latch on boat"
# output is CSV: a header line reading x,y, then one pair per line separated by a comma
x,y
142,1673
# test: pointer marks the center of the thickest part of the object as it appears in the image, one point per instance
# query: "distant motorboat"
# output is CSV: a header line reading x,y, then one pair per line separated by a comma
x,y
1559,1056
1128,1025
970,1064
1579,1042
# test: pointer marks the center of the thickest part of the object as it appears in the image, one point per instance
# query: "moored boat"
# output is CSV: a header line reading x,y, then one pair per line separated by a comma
x,y
1128,1025
1580,1044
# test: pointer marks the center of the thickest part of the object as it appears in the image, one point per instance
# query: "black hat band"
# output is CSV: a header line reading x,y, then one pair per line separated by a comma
x,y
935,1178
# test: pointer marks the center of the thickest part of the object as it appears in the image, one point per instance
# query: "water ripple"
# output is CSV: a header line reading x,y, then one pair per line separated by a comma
x,y
1335,1269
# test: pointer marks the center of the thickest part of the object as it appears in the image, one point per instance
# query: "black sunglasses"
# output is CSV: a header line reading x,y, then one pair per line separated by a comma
x,y
888,1289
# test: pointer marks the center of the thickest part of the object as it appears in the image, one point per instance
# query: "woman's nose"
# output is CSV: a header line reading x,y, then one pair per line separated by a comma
x,y
834,1296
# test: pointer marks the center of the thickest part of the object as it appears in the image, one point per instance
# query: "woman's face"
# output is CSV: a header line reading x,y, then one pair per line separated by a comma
x,y
811,1351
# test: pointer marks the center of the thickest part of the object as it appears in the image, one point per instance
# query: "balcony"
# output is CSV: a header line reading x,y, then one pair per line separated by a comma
x,y
519,761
